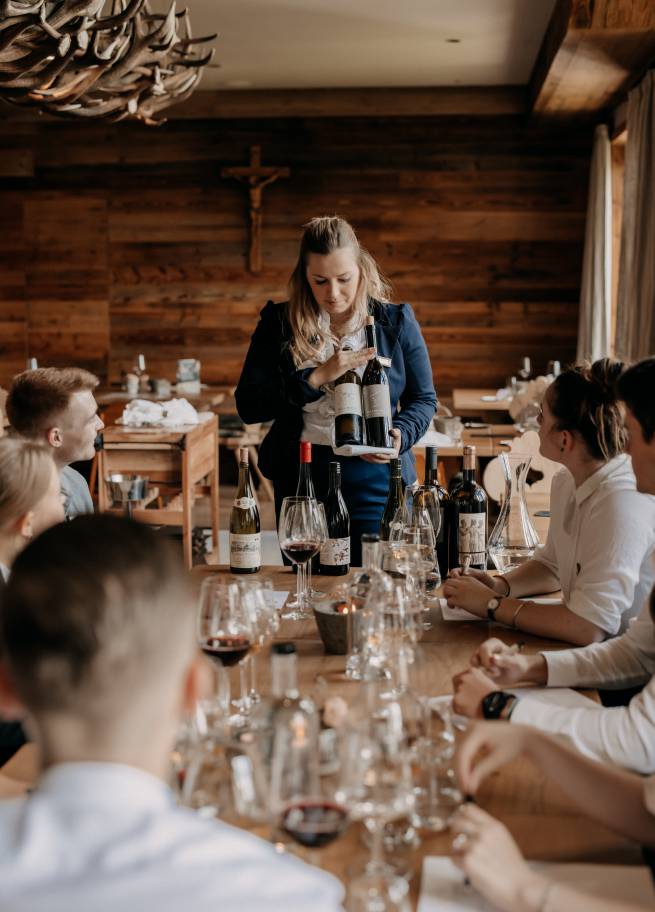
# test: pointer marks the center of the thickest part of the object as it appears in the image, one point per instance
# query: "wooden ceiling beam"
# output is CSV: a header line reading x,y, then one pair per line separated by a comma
x,y
390,102
593,52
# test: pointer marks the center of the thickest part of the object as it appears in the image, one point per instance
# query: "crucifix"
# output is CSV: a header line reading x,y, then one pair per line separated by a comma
x,y
256,178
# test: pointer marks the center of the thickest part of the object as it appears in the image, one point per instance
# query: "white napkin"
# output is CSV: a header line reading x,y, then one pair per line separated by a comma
x,y
169,414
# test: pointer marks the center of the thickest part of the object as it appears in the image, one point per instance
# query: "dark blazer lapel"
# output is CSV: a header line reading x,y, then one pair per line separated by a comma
x,y
386,329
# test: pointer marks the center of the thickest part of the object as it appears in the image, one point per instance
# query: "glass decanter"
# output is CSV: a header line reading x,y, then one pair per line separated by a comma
x,y
513,540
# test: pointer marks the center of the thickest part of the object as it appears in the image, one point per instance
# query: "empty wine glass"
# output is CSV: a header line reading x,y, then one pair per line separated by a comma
x,y
301,531
265,622
225,634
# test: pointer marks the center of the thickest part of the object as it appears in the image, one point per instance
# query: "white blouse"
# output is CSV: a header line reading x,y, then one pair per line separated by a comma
x,y
600,544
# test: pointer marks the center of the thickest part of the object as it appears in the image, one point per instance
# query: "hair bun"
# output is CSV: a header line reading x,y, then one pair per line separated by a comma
x,y
604,374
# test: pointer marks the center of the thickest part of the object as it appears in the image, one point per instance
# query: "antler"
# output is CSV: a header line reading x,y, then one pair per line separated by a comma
x,y
65,57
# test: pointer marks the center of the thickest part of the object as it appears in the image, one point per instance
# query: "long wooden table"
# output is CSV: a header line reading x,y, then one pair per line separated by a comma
x,y
540,817
470,401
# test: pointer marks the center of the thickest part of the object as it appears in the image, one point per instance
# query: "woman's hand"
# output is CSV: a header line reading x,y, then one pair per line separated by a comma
x,y
340,362
486,747
486,852
497,583
384,457
470,687
506,666
467,592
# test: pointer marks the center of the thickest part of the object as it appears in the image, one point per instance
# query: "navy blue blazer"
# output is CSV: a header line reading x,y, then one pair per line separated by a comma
x,y
271,388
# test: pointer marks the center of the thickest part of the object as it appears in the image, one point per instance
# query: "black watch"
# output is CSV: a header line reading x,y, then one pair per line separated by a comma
x,y
497,701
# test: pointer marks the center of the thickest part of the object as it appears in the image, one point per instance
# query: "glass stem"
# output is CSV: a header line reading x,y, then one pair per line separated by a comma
x,y
254,695
300,588
224,695
376,829
244,699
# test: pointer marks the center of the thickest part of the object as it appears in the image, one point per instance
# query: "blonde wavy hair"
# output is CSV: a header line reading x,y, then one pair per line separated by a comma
x,y
324,235
25,472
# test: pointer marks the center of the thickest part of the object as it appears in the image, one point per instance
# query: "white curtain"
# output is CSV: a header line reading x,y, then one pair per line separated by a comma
x,y
636,296
594,325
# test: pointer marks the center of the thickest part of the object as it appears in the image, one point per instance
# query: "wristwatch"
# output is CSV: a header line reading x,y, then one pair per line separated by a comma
x,y
492,607
498,705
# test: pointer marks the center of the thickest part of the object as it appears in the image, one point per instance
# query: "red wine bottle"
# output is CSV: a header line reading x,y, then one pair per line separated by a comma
x,y
348,424
245,535
443,536
335,552
375,395
468,531
394,499
305,484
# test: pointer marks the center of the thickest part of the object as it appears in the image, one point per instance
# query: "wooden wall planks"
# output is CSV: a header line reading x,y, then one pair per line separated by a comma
x,y
118,239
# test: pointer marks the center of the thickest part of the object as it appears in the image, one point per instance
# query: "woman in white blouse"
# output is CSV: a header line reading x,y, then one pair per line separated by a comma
x,y
486,851
601,538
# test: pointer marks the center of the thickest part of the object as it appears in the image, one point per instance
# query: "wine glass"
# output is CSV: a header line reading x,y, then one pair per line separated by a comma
x,y
301,804
376,786
301,531
311,592
265,622
225,634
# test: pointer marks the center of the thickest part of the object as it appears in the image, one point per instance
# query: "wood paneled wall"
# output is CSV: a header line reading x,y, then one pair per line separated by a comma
x,y
117,239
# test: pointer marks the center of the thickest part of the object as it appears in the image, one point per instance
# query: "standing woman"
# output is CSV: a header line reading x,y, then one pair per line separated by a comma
x,y
297,352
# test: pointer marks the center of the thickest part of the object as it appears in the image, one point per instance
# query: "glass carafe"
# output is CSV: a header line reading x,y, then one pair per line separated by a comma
x,y
513,539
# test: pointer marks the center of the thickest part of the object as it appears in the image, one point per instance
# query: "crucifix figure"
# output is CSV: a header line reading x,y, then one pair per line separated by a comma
x,y
256,178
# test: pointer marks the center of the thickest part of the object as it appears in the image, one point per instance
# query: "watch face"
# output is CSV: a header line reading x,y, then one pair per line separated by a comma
x,y
492,604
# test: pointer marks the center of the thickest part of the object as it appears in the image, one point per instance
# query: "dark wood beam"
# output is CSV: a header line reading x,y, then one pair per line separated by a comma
x,y
470,100
593,52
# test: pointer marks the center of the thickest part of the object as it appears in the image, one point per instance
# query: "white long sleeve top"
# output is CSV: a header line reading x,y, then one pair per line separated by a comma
x,y
107,837
600,544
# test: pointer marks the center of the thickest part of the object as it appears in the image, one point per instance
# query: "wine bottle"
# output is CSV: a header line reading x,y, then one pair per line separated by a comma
x,y
305,486
394,500
468,538
432,481
375,395
245,535
348,425
335,553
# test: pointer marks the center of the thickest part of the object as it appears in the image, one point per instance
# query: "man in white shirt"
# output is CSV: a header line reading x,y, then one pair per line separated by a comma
x,y
98,633
58,406
624,735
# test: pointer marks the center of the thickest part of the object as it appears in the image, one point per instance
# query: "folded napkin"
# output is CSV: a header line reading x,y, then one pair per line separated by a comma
x,y
169,414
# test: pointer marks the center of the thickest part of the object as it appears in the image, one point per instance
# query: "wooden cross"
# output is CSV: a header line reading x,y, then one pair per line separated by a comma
x,y
256,178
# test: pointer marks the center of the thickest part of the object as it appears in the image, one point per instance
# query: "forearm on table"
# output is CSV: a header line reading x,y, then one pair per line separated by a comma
x,y
608,794
556,622
532,578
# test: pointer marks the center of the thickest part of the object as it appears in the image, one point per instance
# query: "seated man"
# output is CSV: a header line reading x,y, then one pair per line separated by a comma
x,y
98,635
58,406
624,735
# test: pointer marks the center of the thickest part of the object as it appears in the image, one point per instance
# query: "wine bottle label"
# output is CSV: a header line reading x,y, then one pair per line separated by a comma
x,y
335,552
245,550
376,401
244,503
472,537
348,399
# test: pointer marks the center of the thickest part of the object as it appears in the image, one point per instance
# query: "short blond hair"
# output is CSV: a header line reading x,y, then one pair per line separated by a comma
x,y
38,397
25,472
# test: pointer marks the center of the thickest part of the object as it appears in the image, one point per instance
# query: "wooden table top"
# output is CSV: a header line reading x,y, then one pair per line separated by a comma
x,y
488,441
469,401
537,813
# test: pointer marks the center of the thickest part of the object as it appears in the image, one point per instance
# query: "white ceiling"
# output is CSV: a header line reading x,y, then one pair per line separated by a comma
x,y
265,44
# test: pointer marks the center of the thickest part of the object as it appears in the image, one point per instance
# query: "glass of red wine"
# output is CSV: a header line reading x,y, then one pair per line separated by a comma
x,y
302,804
225,635
301,532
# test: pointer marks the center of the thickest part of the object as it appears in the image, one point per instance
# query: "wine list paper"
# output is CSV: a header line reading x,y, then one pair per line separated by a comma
x,y
443,888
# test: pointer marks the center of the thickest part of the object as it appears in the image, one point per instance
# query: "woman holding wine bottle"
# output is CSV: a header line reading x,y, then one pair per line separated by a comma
x,y
302,347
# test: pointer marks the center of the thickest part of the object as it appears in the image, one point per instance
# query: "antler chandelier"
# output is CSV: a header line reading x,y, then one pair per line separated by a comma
x,y
66,58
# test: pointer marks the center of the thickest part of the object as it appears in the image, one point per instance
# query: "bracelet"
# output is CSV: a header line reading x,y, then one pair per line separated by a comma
x,y
507,583
516,614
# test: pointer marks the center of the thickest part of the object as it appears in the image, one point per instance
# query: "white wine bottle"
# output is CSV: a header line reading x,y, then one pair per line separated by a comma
x,y
245,534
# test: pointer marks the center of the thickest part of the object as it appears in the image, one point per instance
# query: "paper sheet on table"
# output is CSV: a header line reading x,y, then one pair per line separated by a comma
x,y
456,614
443,889
556,696
276,598
435,439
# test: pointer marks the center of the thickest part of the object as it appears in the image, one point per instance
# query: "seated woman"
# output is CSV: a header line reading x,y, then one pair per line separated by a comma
x,y
486,851
30,502
601,538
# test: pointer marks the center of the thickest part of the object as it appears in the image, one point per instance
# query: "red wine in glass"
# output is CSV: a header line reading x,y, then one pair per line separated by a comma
x,y
314,824
226,650
300,551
